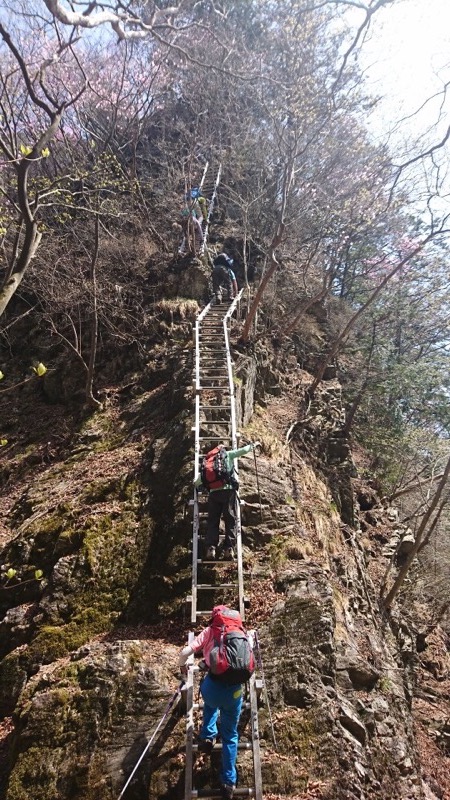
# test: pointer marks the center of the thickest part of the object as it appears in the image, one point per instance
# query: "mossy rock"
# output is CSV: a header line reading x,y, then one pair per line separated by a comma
x,y
13,678
35,775
53,642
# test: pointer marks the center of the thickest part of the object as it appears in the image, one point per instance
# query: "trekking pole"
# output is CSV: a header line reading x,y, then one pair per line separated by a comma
x,y
170,705
260,665
257,485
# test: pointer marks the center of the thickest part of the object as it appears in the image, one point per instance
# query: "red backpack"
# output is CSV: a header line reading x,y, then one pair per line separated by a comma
x,y
231,660
214,471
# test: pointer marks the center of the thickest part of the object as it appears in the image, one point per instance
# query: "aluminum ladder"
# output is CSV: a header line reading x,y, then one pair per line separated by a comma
x,y
250,708
215,422
209,186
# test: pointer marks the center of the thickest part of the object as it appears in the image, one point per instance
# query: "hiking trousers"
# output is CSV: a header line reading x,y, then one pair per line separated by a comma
x,y
225,700
221,277
222,502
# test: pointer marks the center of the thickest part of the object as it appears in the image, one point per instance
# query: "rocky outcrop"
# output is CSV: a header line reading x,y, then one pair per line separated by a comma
x,y
81,724
109,527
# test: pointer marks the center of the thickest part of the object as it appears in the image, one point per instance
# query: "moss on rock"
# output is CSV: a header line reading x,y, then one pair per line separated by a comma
x,y
13,678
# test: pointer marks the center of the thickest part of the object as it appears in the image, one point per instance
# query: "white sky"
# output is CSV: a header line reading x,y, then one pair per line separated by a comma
x,y
407,60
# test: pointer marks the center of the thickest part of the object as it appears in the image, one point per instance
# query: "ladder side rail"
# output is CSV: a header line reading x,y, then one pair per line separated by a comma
x,y
226,322
197,356
255,738
189,700
196,516
210,209
197,458
214,194
197,439
203,313
203,176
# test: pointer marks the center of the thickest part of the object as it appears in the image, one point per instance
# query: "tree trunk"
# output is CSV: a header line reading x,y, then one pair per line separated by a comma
x,y
28,250
94,319
276,241
388,600
352,321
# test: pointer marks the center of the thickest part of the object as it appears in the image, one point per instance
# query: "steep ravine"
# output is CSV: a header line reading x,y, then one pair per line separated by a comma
x,y
89,652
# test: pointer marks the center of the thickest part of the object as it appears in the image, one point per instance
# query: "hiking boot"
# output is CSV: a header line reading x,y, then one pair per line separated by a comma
x,y
205,745
211,554
228,554
227,790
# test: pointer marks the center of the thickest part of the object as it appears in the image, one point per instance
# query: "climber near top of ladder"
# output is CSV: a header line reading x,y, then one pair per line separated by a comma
x,y
227,652
223,278
194,214
216,475
198,203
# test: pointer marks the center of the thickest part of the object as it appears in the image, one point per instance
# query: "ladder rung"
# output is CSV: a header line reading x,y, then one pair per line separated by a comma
x,y
213,794
218,746
218,585
213,422
206,612
214,408
205,422
199,706
214,438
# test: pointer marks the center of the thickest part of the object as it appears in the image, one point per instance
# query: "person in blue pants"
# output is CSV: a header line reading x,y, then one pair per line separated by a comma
x,y
227,701
219,700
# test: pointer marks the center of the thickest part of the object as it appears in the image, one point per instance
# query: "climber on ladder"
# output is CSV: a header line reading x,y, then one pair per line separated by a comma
x,y
217,476
194,219
228,656
223,278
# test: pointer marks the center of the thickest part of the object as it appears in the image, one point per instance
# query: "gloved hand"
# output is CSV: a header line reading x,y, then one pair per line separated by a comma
x,y
256,444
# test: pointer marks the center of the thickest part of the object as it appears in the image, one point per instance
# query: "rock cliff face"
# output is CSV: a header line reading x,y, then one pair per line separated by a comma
x,y
89,651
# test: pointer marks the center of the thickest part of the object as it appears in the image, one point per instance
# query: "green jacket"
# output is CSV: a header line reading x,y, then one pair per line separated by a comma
x,y
231,455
